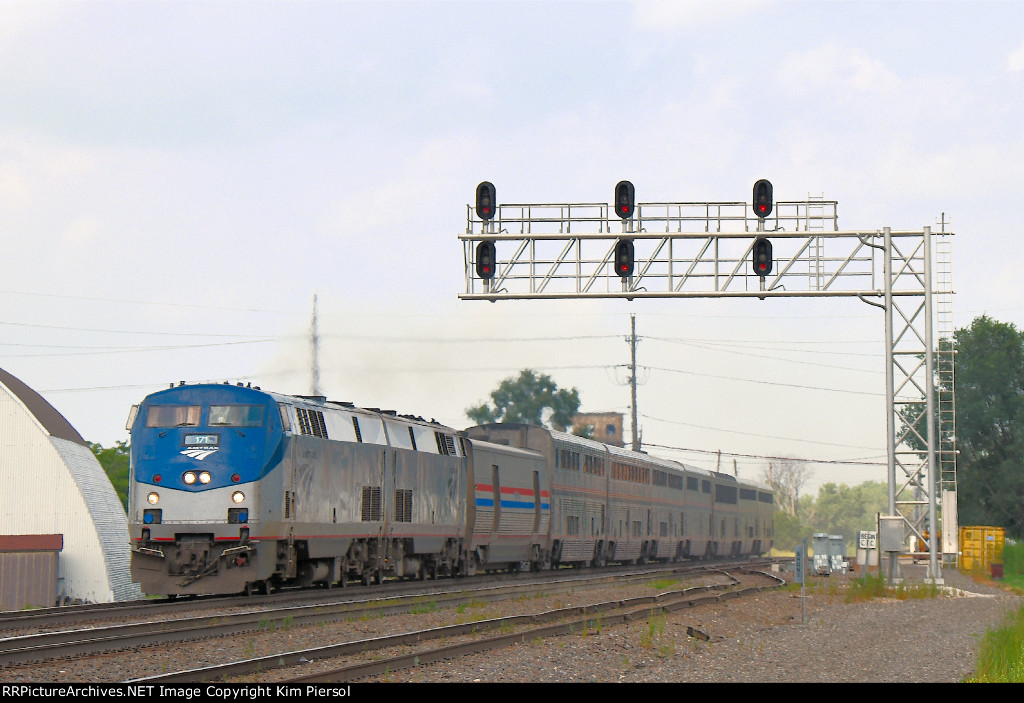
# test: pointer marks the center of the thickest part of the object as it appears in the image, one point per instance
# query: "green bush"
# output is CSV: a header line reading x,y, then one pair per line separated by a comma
x,y
1013,559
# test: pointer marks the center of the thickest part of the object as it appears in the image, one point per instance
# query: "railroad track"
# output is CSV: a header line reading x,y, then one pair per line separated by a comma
x,y
21,621
477,636
368,604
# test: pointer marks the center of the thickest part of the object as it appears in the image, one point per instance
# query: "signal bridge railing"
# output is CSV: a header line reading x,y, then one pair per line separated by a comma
x,y
566,218
684,250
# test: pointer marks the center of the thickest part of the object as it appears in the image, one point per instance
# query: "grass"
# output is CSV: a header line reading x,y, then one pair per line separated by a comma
x,y
662,584
871,586
654,635
1001,655
423,608
463,607
1013,566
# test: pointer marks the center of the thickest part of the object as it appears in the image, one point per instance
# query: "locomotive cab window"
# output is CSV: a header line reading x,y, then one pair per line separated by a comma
x,y
236,415
172,416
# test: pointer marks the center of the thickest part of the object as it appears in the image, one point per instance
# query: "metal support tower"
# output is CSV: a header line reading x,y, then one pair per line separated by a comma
x,y
703,249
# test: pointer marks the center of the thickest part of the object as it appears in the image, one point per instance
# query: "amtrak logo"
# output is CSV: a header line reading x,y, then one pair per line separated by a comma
x,y
199,454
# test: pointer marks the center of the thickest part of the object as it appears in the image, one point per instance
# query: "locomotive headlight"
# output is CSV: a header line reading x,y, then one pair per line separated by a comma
x,y
153,498
189,478
204,477
238,496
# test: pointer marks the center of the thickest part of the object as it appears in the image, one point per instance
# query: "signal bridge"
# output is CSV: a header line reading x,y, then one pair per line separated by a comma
x,y
730,250
682,250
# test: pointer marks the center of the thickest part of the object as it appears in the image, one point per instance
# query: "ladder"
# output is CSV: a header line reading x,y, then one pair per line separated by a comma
x,y
814,220
946,389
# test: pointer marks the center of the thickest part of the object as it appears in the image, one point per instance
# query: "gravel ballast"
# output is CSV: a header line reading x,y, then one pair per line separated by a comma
x,y
756,638
761,639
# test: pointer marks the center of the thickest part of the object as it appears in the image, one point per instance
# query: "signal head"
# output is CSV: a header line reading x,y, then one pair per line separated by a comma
x,y
761,258
486,201
486,260
763,198
624,257
625,199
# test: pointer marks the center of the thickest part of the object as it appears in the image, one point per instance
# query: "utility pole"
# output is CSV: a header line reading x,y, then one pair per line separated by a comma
x,y
632,380
314,339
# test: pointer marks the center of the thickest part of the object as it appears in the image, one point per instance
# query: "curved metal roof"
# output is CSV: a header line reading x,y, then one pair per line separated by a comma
x,y
51,420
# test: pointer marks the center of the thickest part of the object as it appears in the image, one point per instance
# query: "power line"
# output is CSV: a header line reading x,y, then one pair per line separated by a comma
x,y
779,358
465,340
131,350
109,331
846,462
775,384
145,302
754,434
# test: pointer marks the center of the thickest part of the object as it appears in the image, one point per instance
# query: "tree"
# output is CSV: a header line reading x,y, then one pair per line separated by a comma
x,y
786,477
989,396
846,510
989,399
838,509
788,530
114,461
525,399
586,431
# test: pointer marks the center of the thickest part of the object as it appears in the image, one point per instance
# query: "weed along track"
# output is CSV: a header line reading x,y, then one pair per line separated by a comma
x,y
711,626
232,644
479,632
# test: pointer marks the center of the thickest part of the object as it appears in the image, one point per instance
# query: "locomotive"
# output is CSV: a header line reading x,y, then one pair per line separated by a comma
x,y
235,489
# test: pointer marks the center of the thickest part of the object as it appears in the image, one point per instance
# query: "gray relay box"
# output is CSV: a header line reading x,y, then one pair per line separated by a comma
x,y
890,533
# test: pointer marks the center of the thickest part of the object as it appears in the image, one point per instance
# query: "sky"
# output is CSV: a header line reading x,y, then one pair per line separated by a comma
x,y
178,180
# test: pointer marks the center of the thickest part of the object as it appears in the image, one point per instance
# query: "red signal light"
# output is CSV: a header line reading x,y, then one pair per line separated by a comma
x,y
486,256
625,197
624,257
486,200
763,198
762,256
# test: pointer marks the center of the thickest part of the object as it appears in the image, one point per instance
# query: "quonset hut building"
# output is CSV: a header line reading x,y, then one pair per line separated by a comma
x,y
52,484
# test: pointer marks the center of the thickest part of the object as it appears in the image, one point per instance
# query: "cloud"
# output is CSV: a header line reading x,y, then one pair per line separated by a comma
x,y
17,19
832,69
83,230
675,15
1015,59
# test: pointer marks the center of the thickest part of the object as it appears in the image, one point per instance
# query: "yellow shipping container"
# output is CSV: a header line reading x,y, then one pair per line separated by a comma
x,y
980,547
